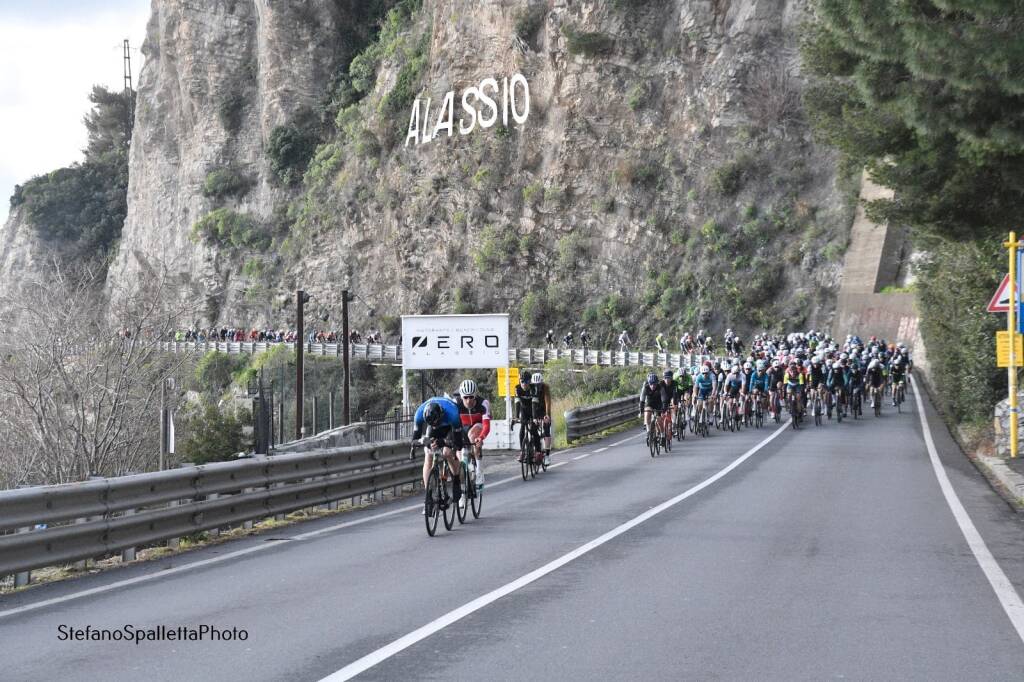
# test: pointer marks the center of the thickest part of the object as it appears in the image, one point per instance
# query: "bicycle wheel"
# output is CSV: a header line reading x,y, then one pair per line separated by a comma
x,y
652,439
668,437
448,498
840,405
527,457
460,510
432,502
817,411
476,497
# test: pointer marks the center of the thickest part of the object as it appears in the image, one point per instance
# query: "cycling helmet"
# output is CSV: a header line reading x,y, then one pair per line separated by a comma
x,y
524,376
434,414
874,363
467,387
705,370
747,365
896,361
652,378
537,378
837,365
668,374
792,362
760,365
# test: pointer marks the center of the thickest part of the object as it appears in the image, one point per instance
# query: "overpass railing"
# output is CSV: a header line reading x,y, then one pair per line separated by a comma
x,y
386,353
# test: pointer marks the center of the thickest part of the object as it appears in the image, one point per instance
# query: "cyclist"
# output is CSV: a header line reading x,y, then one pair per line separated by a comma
x,y
671,389
624,341
540,396
567,339
854,382
794,380
816,378
874,378
442,422
897,372
653,398
705,387
759,384
732,389
475,413
775,376
524,409
549,338
659,341
835,383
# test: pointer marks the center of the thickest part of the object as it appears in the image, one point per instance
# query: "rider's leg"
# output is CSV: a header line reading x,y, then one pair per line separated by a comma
x,y
453,462
428,464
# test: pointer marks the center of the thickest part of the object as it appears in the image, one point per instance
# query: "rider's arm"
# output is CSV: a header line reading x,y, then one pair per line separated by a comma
x,y
418,423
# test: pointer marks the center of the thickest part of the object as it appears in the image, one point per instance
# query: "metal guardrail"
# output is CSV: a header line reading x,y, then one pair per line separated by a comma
x,y
385,353
586,421
98,517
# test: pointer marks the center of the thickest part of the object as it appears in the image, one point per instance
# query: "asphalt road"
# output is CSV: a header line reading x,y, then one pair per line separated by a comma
x,y
827,552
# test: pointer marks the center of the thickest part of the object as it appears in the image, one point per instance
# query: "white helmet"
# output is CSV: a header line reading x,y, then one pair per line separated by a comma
x,y
537,378
874,363
467,387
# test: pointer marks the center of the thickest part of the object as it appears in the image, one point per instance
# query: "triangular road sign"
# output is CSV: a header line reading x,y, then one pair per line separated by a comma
x,y
1000,302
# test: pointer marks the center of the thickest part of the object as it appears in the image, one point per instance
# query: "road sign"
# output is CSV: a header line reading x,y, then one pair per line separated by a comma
x,y
1000,302
508,379
1003,349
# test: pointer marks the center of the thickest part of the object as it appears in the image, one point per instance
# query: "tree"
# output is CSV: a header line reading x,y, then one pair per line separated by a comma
x,y
929,97
80,378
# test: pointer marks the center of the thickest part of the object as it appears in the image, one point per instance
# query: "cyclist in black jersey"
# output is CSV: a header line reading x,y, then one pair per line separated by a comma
x,y
524,409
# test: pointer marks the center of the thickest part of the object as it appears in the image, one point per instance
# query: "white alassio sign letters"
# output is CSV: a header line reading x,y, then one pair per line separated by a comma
x,y
454,341
484,105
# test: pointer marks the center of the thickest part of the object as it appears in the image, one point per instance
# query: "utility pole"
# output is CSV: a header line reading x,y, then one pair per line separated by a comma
x,y
345,414
301,298
128,81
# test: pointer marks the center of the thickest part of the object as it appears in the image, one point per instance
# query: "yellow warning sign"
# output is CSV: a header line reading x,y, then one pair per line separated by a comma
x,y
1003,349
508,379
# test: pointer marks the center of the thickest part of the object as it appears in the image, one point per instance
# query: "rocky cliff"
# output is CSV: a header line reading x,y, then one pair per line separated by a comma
x,y
665,175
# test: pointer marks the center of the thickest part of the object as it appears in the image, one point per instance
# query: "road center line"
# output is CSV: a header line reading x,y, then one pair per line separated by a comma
x,y
585,454
1004,589
389,650
601,449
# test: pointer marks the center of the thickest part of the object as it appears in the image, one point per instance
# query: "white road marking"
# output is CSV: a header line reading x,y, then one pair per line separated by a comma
x,y
585,454
366,662
625,440
1004,589
601,449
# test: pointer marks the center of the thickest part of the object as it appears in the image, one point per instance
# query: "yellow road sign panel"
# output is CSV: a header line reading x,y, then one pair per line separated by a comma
x,y
508,379
1003,349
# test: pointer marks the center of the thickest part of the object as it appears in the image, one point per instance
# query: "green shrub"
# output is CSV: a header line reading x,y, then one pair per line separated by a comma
x,y
728,178
367,144
213,435
224,226
592,44
396,104
222,182
638,96
639,173
531,192
289,150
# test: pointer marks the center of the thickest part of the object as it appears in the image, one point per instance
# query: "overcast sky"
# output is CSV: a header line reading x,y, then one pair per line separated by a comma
x,y
51,54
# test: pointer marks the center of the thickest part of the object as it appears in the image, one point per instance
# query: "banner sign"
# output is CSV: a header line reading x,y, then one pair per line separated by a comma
x,y
508,378
454,341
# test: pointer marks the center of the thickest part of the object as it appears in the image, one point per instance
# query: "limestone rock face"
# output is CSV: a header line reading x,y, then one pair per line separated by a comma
x,y
678,149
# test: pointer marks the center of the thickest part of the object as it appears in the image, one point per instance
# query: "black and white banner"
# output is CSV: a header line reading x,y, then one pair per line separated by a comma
x,y
454,341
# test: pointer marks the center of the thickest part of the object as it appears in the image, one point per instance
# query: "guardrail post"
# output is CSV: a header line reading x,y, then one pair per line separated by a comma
x,y
214,532
25,577
247,525
82,564
278,517
128,554
174,543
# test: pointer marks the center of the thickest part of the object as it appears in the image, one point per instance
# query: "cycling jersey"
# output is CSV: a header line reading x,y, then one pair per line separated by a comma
x,y
656,397
671,391
524,402
705,385
733,384
816,375
875,377
685,383
836,379
540,397
794,379
759,381
451,423
478,413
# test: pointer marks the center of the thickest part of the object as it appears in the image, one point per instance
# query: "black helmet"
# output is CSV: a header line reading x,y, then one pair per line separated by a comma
x,y
433,414
667,374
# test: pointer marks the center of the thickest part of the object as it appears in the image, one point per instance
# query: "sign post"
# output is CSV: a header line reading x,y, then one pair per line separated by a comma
x,y
1011,326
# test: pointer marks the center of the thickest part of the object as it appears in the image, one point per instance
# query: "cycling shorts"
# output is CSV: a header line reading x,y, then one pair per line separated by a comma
x,y
703,393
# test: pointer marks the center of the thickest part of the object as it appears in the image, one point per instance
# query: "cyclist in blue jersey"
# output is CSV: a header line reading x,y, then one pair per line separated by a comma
x,y
438,419
705,387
